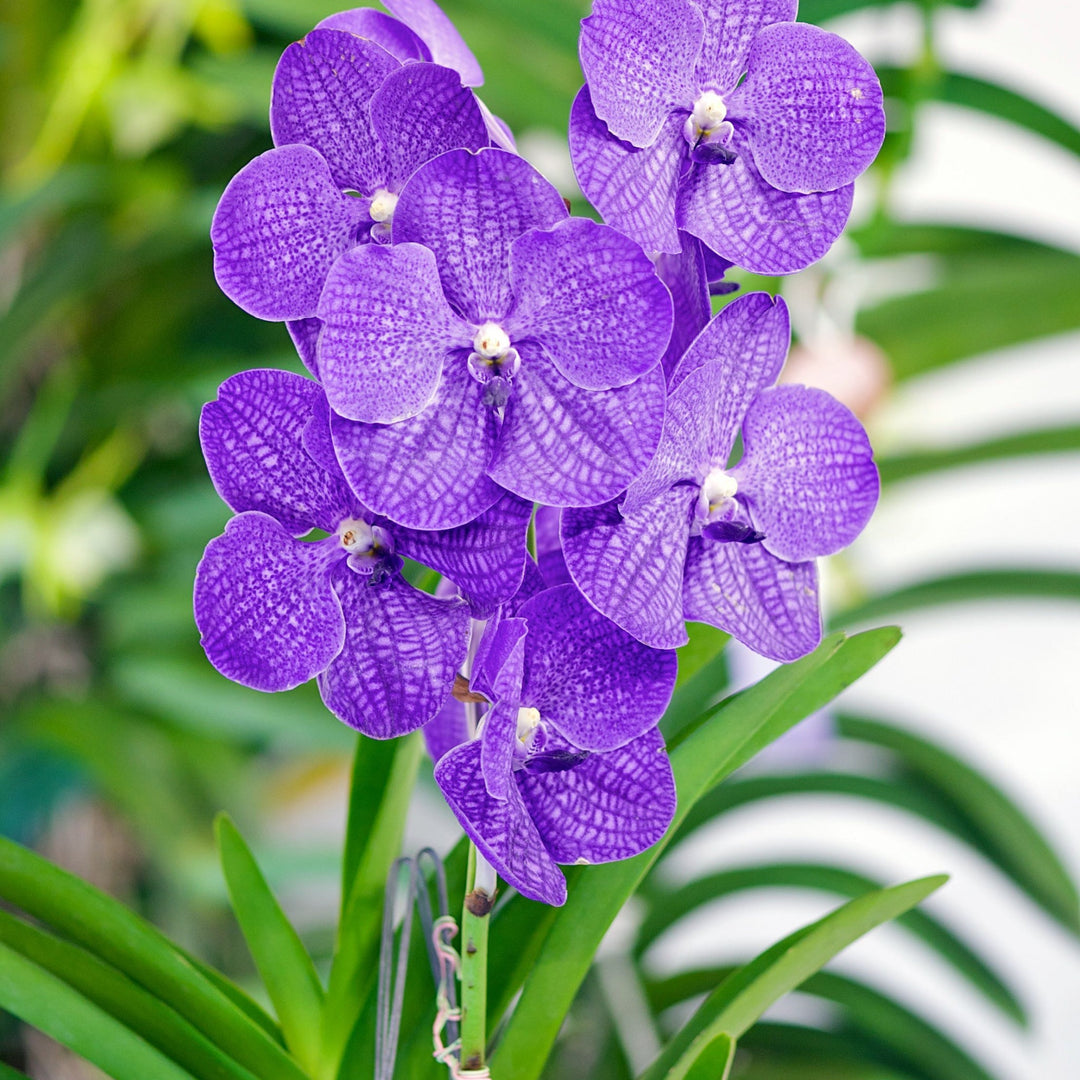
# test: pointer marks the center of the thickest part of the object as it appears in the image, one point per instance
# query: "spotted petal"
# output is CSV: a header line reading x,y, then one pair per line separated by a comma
x,y
635,190
811,108
386,331
730,28
590,680
252,439
392,34
468,209
611,806
592,298
439,34
631,568
807,472
402,650
500,828
500,721
305,336
766,603
277,230
638,61
264,604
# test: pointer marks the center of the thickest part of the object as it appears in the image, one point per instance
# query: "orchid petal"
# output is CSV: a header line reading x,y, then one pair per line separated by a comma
x,y
441,37
730,29
390,33
447,729
305,336
683,274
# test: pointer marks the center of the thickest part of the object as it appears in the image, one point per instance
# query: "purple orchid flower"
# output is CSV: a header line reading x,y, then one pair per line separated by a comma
x,y
497,344
665,136
697,538
274,610
569,766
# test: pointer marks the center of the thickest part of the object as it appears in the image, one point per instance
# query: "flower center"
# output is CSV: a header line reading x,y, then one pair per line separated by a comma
x,y
528,720
708,131
370,549
718,488
709,113
357,537
382,206
493,362
720,516
491,341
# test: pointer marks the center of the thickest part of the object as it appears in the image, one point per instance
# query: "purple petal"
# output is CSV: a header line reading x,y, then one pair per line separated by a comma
x,y
500,828
485,558
611,806
631,568
811,108
441,37
635,190
264,604
564,446
549,553
497,745
320,97
591,297
252,439
392,34
497,669
420,112
277,230
402,650
767,604
447,729
743,219
427,472
684,276
591,681
498,129
468,209
386,329
807,472
305,336
638,61
730,28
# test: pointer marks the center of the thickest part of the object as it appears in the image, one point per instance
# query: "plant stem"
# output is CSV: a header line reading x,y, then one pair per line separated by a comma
x,y
474,937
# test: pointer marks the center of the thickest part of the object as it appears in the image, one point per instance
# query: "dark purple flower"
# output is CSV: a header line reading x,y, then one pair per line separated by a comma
x,y
275,610
569,766
497,344
731,545
665,136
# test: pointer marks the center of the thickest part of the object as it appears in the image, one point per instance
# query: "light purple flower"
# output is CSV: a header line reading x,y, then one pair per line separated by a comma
x,y
275,610
496,344
665,136
731,545
569,766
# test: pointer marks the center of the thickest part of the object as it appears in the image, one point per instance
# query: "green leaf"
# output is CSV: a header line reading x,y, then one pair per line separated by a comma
x,y
738,1002
43,1001
668,906
8,1073
1001,829
712,1060
702,755
118,936
122,999
817,11
284,965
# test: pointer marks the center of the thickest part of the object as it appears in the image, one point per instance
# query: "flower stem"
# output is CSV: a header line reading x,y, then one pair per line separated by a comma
x,y
474,937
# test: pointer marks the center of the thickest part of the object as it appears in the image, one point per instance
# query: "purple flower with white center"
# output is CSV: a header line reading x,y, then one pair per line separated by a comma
x,y
665,136
275,610
569,766
498,344
731,545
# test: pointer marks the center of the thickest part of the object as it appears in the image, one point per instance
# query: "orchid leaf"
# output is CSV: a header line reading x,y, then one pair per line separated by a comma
x,y
817,11
8,1073
712,1060
738,1002
284,965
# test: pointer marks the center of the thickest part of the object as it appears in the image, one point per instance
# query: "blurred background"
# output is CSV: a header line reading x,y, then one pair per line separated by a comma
x,y
948,318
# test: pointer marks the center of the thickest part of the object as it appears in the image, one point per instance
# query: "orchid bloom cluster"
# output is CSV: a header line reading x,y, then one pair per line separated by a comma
x,y
486,367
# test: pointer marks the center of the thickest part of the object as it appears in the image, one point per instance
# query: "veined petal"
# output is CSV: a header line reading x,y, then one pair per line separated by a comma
x,y
811,108
402,650
497,746
392,34
730,28
683,274
589,679
500,828
320,95
420,112
638,61
766,603
635,190
447,729
592,298
252,439
564,446
807,472
497,666
485,557
264,604
427,472
277,230
305,336
549,552
386,331
611,806
441,37
734,211
468,209
631,568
